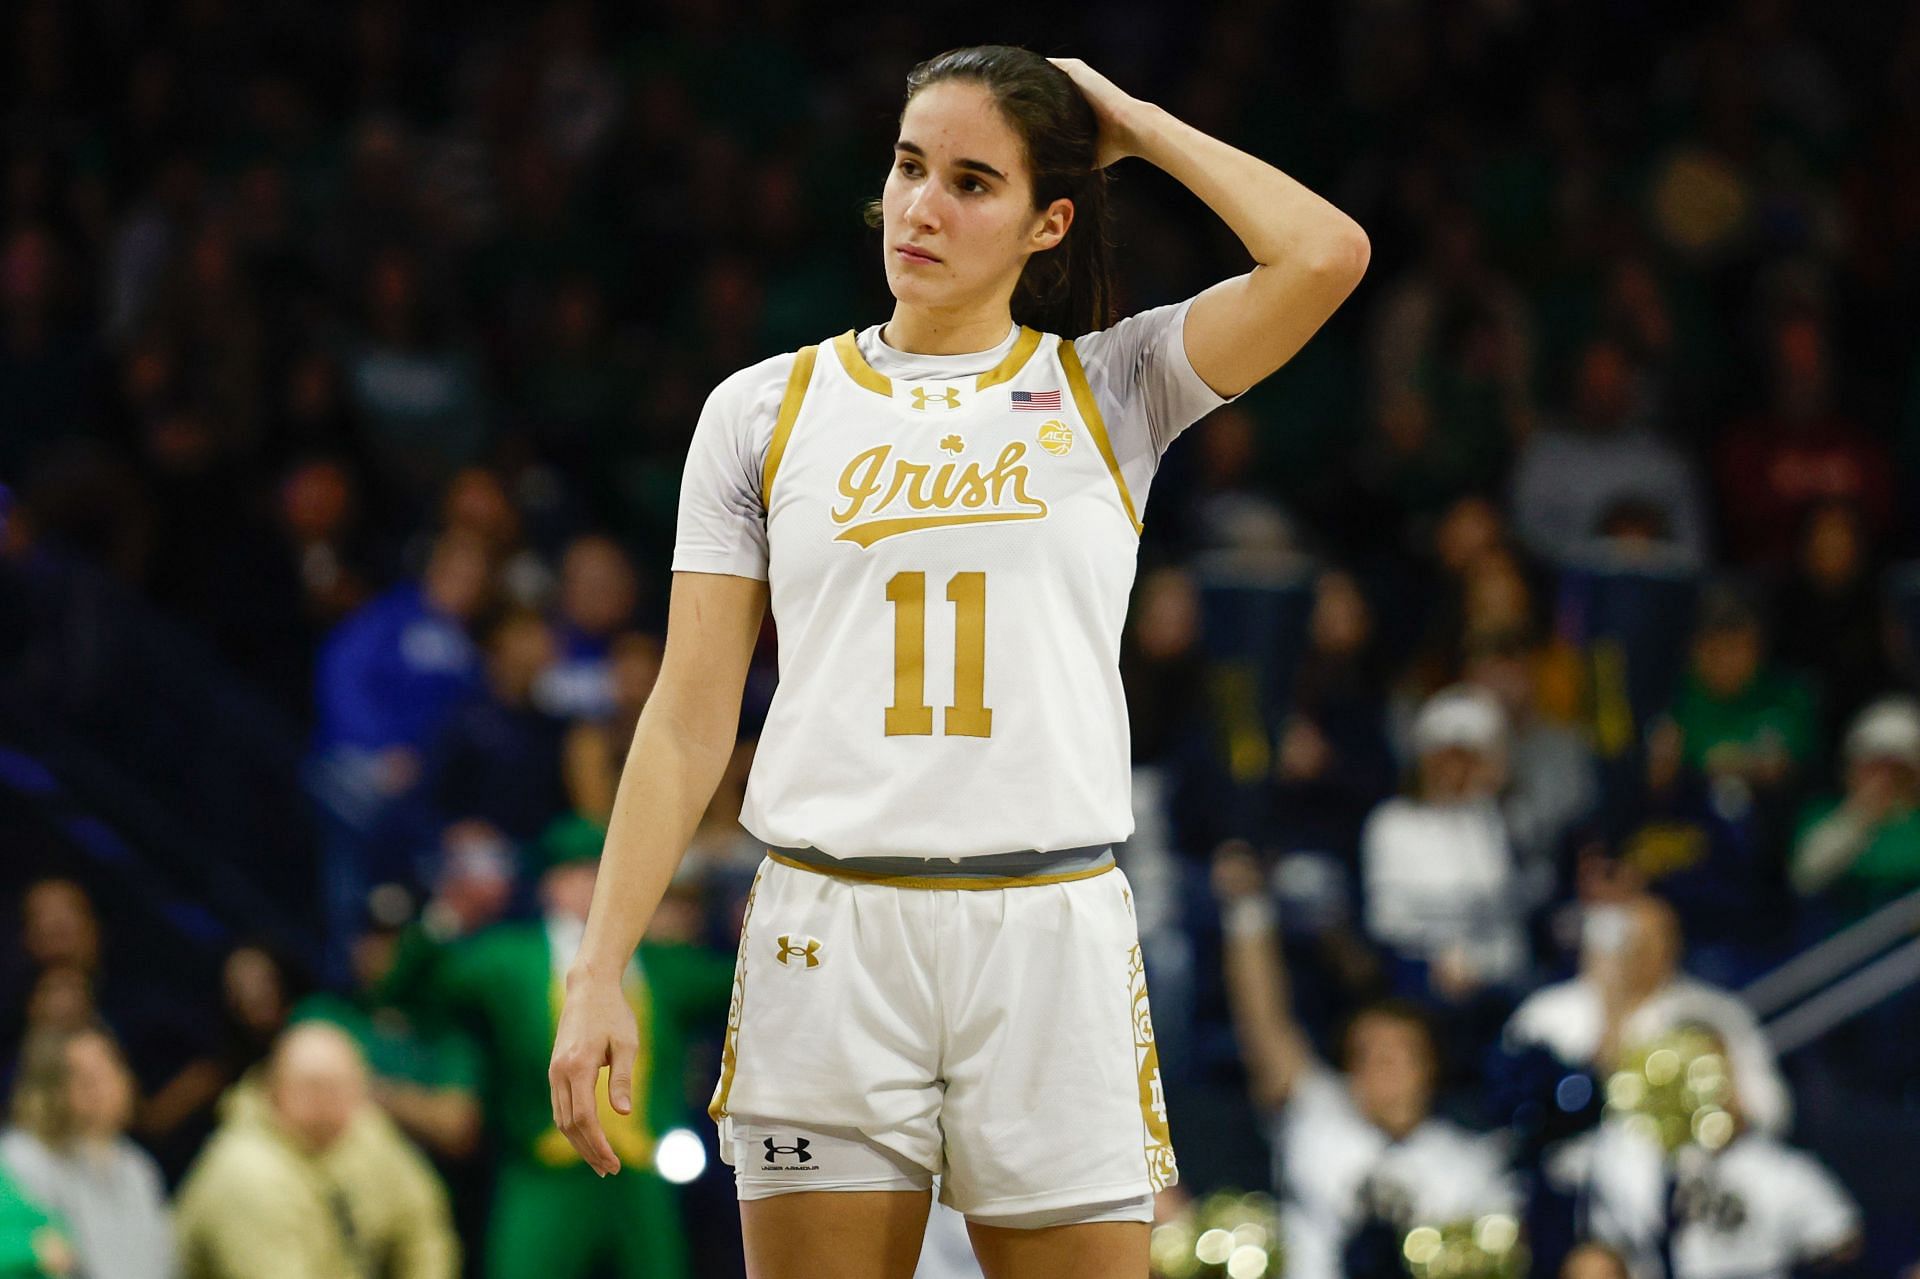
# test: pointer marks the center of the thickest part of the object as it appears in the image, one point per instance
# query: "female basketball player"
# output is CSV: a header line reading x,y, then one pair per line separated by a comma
x,y
939,971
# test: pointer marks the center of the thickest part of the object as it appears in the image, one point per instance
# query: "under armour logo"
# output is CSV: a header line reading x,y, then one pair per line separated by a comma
x,y
949,398
798,1150
806,948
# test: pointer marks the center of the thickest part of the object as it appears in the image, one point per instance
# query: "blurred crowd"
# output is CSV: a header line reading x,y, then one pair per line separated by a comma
x,y
1514,679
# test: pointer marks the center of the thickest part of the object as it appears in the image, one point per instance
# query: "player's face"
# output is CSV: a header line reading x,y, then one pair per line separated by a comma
x,y
958,220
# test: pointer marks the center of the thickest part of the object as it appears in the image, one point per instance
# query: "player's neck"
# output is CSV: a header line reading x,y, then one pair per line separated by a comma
x,y
946,331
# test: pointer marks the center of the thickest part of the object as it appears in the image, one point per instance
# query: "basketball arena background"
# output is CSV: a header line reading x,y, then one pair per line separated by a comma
x,y
348,355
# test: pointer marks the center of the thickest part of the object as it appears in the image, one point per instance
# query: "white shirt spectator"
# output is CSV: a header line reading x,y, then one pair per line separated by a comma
x,y
1754,1210
1440,878
1568,1018
1333,1168
1566,480
110,1197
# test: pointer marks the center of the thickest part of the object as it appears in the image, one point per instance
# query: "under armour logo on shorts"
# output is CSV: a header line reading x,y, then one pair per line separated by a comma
x,y
798,1150
803,948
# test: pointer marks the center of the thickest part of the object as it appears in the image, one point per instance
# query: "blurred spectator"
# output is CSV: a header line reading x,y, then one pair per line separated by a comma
x,y
32,1244
1828,622
1353,1152
1862,850
473,883
62,1000
1333,762
1230,513
1630,990
596,749
1450,358
391,673
1800,453
319,517
1752,1206
598,594
256,994
1591,1260
504,984
424,1073
499,756
1552,781
305,1176
68,1150
477,503
1745,725
1438,867
50,370
417,390
1570,476
64,978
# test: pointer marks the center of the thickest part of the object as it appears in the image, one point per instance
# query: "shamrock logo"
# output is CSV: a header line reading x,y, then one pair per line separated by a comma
x,y
953,444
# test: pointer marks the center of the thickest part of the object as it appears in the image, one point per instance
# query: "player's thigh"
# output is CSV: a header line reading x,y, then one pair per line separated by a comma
x,y
849,1234
1093,1250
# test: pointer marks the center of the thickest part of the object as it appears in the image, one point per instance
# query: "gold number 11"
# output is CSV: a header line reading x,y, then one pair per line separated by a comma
x,y
910,716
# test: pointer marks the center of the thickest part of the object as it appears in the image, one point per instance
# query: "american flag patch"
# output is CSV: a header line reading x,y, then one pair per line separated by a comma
x,y
1037,401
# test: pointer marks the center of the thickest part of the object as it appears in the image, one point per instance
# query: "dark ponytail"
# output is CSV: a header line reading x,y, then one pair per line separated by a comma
x,y
1067,289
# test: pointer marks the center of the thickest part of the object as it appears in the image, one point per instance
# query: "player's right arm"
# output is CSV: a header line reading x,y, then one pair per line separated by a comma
x,y
1272,1045
680,749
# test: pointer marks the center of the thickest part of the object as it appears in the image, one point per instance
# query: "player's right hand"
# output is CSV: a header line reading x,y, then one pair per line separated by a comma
x,y
597,1031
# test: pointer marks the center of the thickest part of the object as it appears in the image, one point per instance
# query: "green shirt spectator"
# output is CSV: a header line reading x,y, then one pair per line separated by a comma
x,y
1863,849
1735,717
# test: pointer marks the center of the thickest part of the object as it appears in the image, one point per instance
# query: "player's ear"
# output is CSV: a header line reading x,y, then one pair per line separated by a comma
x,y
1052,226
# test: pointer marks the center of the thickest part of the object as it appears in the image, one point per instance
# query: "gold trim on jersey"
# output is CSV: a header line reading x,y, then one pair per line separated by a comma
x,y
797,383
1023,348
971,882
857,367
1096,426
867,376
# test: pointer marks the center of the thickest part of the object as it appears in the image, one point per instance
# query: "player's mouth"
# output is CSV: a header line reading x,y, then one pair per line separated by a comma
x,y
917,256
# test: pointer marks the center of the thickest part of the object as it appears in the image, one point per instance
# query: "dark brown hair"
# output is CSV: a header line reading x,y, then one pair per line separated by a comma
x,y
1067,289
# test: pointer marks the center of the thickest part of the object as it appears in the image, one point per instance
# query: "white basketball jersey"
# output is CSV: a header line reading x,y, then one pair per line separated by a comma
x,y
950,564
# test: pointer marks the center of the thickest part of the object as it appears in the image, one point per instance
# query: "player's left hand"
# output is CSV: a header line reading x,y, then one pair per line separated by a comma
x,y
1113,108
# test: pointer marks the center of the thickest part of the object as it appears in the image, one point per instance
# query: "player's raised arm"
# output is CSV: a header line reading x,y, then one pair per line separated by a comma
x,y
1308,255
680,749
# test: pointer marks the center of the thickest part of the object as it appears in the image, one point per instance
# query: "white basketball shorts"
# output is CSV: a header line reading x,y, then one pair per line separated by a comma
x,y
886,1030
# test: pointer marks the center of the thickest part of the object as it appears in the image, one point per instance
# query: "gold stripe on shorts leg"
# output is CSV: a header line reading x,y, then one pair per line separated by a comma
x,y
730,1045
1157,1137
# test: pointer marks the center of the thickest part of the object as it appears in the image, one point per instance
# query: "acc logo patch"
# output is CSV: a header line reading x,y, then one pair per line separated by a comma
x,y
1056,437
799,950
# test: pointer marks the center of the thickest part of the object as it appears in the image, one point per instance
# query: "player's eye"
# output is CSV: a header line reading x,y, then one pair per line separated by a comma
x,y
973,186
907,168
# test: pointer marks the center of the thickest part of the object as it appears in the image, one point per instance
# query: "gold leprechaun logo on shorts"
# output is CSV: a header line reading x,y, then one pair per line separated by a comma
x,y
1056,437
